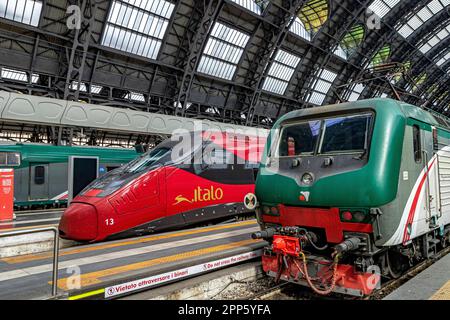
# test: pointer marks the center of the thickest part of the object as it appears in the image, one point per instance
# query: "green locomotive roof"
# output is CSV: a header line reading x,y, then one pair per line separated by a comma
x,y
379,105
36,152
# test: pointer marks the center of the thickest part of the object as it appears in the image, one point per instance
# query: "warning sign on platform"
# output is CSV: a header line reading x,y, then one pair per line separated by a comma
x,y
178,274
6,194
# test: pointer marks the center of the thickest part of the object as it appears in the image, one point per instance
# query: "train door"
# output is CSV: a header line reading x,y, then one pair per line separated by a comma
x,y
425,155
442,161
39,186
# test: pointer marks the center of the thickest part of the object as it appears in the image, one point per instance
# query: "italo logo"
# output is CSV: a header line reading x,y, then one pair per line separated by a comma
x,y
201,195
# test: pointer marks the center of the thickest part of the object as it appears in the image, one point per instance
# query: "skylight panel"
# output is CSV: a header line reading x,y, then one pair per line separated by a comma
x,y
74,86
137,26
298,28
223,52
356,92
382,7
135,96
422,16
340,52
443,60
281,72
256,6
436,39
322,85
95,89
17,75
23,11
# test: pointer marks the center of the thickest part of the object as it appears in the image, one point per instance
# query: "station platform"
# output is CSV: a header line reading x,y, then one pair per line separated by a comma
x,y
29,220
431,284
118,268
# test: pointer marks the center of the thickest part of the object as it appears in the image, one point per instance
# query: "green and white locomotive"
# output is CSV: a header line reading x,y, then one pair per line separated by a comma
x,y
354,193
41,171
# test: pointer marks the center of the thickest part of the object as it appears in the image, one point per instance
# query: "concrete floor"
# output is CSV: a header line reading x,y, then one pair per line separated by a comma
x,y
431,284
96,267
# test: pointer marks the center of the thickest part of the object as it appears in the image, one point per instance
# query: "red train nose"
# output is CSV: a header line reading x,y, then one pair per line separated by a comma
x,y
79,223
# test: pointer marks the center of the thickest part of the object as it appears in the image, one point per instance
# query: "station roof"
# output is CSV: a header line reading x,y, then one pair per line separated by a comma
x,y
236,61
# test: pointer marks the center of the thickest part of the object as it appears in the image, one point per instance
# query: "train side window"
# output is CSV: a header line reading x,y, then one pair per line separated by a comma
x,y
417,144
3,159
11,159
39,175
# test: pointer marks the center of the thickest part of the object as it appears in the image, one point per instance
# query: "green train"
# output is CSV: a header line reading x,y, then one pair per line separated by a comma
x,y
353,194
41,170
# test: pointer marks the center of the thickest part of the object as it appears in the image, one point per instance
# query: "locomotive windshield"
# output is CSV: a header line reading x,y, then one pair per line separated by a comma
x,y
346,134
149,159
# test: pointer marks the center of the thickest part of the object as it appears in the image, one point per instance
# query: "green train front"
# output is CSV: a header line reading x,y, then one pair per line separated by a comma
x,y
348,192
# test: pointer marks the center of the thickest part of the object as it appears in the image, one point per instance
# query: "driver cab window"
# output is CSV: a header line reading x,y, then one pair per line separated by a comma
x,y
299,139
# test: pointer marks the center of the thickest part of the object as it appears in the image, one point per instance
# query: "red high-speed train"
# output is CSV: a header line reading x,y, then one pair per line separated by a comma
x,y
167,188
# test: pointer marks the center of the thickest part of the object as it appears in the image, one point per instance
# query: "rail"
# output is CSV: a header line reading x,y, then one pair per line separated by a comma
x,y
55,250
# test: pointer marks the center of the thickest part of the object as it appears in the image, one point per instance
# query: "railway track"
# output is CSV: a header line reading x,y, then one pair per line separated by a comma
x,y
289,291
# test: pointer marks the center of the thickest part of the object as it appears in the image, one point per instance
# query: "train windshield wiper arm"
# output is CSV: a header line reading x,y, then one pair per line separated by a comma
x,y
361,156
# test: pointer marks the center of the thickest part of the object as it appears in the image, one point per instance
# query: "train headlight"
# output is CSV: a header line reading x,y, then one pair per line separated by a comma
x,y
359,216
347,216
307,179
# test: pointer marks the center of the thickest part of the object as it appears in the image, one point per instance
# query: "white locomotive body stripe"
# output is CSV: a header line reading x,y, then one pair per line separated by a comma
x,y
415,220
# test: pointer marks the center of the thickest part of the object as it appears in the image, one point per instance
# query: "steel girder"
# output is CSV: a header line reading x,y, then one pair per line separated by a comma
x,y
273,40
375,39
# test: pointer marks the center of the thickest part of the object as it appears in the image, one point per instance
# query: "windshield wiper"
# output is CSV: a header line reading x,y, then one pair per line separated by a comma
x,y
361,157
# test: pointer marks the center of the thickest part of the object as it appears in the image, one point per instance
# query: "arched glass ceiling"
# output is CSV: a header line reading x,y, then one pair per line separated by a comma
x,y
407,69
23,11
436,39
356,92
320,86
382,56
223,51
422,16
299,29
418,81
311,18
444,59
351,41
137,26
281,72
256,6
314,14
382,7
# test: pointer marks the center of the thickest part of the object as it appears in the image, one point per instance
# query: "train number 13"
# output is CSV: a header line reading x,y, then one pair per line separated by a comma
x,y
109,222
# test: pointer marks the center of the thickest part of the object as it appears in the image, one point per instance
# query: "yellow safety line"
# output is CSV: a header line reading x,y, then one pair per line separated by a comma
x,y
34,257
87,294
92,278
443,293
29,227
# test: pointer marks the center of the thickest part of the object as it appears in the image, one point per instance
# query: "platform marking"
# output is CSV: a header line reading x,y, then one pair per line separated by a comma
x,y
443,293
29,221
25,228
18,214
41,256
179,274
93,278
19,273
87,294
